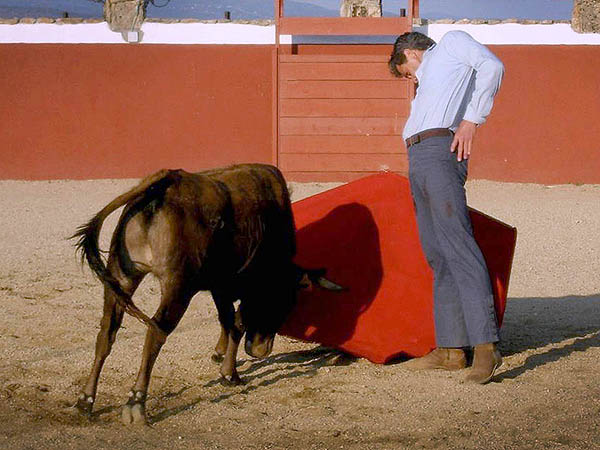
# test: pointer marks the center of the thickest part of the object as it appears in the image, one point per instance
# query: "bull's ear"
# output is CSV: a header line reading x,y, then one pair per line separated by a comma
x,y
329,285
305,282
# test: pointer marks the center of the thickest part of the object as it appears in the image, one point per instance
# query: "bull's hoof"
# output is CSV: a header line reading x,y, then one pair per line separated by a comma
x,y
85,404
134,411
217,358
231,380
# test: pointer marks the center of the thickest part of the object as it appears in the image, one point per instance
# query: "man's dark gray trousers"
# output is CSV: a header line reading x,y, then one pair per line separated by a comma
x,y
463,301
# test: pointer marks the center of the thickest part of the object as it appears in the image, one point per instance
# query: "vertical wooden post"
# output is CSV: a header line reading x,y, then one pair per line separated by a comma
x,y
413,12
413,9
278,5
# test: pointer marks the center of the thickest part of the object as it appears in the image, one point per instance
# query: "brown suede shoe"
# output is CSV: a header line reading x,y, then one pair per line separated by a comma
x,y
440,358
486,359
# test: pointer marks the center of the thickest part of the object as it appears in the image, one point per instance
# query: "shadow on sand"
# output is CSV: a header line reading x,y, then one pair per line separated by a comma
x,y
286,365
535,323
529,324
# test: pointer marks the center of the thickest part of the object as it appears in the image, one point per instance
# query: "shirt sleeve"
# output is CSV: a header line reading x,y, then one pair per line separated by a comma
x,y
489,71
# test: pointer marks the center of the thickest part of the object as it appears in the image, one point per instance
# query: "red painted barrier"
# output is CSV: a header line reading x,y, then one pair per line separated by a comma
x,y
114,111
365,234
122,111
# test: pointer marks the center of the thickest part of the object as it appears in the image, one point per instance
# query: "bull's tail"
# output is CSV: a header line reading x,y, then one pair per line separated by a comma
x,y
87,238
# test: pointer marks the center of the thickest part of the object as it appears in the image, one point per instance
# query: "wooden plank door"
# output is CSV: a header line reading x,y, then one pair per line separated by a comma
x,y
340,117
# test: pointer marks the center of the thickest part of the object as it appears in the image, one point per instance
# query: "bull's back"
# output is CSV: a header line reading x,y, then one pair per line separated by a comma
x,y
261,181
260,199
217,218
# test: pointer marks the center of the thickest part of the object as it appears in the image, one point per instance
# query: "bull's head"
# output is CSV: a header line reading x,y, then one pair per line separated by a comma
x,y
262,323
258,345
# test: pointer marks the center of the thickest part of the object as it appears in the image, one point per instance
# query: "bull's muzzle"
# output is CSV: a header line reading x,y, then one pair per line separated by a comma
x,y
259,346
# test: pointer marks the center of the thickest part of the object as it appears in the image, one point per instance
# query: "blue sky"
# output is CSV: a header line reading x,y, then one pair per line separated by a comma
x,y
260,9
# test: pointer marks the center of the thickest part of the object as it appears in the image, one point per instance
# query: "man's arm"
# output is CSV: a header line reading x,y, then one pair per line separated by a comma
x,y
489,71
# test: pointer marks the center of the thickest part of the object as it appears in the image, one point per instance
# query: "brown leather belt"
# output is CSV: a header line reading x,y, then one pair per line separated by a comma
x,y
433,132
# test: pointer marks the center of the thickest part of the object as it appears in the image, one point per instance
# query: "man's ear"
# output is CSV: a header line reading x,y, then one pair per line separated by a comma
x,y
409,52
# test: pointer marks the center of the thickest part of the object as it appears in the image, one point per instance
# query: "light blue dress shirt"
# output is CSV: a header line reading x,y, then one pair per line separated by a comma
x,y
458,79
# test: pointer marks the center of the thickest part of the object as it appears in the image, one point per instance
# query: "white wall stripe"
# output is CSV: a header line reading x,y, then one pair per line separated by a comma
x,y
241,34
515,34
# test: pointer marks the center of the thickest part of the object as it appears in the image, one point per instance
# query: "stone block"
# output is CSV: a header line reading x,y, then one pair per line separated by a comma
x,y
586,16
360,8
125,15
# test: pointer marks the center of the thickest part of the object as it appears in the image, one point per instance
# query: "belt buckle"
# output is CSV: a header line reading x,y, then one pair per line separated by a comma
x,y
414,139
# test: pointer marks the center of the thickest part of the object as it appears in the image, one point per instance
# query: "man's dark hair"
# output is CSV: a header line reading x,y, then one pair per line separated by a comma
x,y
414,41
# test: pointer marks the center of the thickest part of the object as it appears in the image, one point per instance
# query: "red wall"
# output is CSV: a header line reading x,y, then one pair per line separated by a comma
x,y
545,125
112,111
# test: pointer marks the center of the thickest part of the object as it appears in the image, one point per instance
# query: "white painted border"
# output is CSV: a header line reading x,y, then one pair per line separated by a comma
x,y
515,34
48,33
208,33
240,34
152,33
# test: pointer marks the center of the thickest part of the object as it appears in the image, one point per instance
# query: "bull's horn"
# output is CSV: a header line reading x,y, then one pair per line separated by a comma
x,y
329,285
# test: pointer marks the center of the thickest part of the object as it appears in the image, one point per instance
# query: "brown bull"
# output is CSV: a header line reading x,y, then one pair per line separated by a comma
x,y
230,231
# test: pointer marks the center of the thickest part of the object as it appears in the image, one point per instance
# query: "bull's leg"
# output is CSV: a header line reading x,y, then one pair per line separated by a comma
x,y
174,303
223,341
221,346
109,325
232,328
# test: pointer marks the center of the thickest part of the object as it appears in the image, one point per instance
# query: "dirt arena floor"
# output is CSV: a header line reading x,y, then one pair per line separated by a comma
x,y
546,395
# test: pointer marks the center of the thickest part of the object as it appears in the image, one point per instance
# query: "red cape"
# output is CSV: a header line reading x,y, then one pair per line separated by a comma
x,y
365,234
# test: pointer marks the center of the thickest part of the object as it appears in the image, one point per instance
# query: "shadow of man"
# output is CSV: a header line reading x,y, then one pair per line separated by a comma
x,y
544,329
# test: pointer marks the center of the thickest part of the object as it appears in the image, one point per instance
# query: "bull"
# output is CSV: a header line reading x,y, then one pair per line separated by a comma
x,y
228,231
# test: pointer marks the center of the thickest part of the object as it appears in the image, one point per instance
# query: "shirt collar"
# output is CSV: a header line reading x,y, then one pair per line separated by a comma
x,y
426,53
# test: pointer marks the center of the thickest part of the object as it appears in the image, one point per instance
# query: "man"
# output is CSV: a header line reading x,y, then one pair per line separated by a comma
x,y
457,80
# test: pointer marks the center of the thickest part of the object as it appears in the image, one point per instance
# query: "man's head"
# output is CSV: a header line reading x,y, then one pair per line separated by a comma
x,y
408,54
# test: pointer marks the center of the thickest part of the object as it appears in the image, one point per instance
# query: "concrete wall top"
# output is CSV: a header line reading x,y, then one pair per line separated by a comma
x,y
78,31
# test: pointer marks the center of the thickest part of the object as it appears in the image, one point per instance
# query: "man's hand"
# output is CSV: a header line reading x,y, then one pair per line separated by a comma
x,y
463,140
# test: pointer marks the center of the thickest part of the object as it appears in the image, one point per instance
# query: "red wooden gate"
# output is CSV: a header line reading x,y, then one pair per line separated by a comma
x,y
339,113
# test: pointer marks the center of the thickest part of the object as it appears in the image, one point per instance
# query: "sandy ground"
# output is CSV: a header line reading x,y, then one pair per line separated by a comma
x,y
547,394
